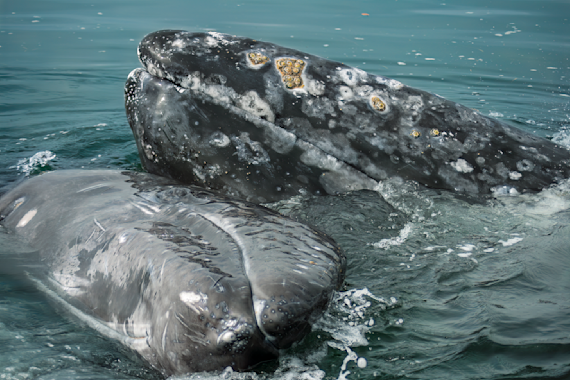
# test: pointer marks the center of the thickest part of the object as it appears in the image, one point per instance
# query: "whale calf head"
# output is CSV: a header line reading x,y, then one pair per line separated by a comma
x,y
191,280
265,122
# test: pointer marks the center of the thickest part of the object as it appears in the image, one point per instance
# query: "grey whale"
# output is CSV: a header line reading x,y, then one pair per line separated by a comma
x,y
264,122
191,280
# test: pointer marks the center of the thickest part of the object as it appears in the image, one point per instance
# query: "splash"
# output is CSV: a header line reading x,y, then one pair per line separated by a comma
x,y
289,369
398,240
562,137
348,321
36,162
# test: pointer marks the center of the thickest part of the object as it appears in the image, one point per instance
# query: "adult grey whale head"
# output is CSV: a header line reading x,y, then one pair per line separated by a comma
x,y
191,280
266,122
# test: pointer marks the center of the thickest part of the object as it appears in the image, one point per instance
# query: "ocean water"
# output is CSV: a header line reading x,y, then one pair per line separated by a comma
x,y
438,287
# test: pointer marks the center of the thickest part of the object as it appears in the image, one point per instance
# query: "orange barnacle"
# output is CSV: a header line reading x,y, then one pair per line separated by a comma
x,y
257,58
378,104
290,70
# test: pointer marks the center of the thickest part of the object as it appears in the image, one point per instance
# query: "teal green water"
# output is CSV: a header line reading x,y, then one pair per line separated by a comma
x,y
438,287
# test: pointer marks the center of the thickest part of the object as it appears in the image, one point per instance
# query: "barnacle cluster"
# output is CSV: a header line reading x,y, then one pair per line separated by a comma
x,y
257,58
291,70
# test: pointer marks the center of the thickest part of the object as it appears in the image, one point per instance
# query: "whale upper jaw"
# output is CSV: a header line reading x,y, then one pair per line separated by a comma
x,y
302,124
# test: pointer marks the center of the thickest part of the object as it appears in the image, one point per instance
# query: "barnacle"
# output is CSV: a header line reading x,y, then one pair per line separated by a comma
x,y
257,58
378,104
290,70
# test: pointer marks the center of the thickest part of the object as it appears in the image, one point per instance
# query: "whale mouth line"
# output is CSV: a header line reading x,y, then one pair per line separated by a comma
x,y
134,342
228,228
258,121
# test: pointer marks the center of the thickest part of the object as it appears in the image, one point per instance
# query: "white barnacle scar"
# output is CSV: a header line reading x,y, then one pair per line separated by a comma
x,y
462,166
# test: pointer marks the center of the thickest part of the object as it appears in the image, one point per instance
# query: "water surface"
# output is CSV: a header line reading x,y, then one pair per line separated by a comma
x,y
438,286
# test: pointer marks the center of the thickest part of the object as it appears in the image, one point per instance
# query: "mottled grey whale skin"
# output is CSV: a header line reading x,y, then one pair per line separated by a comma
x,y
191,280
265,122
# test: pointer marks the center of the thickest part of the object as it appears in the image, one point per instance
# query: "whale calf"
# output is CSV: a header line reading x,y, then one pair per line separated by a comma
x,y
191,280
264,122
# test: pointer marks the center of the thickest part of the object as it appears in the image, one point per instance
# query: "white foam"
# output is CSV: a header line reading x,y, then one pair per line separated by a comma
x,y
350,356
350,330
38,160
562,137
398,240
511,241
290,368
347,322
496,114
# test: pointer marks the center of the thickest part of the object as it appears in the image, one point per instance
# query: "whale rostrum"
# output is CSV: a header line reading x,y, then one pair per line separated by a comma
x,y
265,122
191,280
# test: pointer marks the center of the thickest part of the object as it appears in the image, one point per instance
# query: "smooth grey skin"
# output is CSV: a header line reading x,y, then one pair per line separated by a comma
x,y
218,110
191,280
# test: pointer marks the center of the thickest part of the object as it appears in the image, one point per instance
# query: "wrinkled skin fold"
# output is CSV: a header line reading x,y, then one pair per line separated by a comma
x,y
191,280
264,122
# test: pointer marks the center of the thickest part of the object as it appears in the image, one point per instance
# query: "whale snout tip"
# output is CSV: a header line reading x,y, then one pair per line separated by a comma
x,y
282,322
